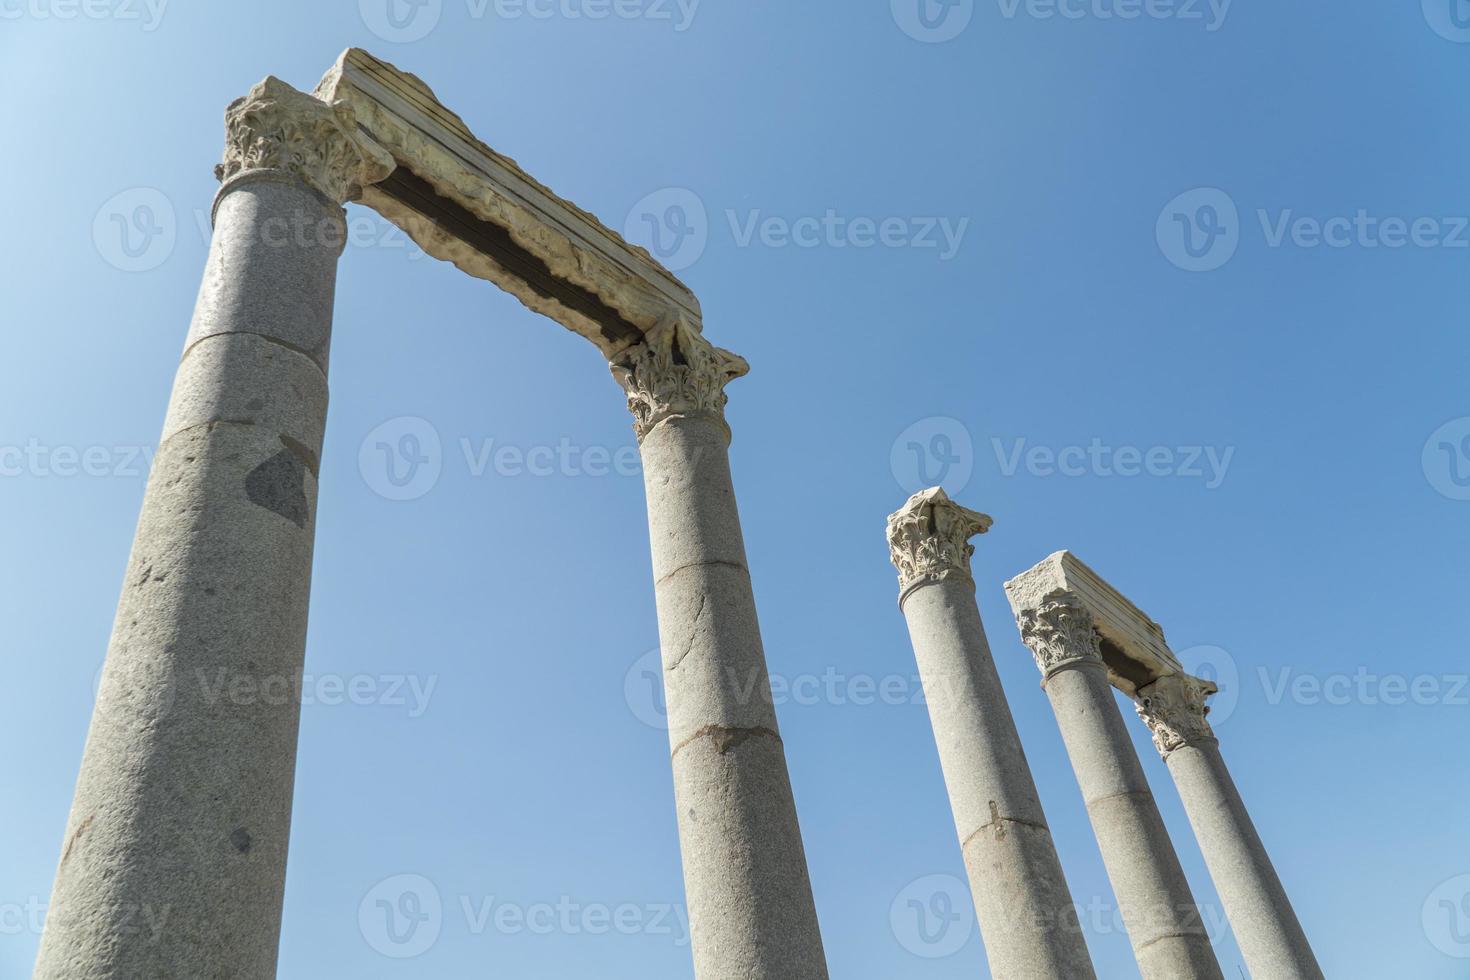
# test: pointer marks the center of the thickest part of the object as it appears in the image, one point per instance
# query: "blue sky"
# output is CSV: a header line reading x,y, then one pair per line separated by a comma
x,y
1176,286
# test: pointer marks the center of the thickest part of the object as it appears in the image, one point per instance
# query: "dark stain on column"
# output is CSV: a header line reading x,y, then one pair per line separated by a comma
x,y
279,485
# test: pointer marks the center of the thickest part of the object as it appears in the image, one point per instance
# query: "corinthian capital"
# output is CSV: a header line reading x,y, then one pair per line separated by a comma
x,y
277,128
928,539
1059,632
1174,709
675,372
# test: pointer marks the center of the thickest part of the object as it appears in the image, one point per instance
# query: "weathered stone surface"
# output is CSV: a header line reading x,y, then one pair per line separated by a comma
x,y
174,860
1061,605
1022,902
750,902
1164,925
1266,927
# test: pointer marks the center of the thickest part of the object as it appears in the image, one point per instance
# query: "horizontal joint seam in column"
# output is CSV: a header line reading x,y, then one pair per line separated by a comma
x,y
1002,820
696,564
731,736
287,345
1173,935
1138,793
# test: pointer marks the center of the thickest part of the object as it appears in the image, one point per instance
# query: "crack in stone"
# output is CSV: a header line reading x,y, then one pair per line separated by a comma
x,y
999,823
1141,794
286,344
1173,935
700,564
693,633
725,738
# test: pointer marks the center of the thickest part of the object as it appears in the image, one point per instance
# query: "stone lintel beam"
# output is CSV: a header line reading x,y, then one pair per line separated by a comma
x,y
1131,645
465,203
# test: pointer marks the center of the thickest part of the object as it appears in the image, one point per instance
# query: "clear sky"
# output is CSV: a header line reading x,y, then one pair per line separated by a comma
x,y
1178,287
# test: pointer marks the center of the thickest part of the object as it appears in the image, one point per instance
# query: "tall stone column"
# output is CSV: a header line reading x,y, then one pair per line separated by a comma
x,y
1266,927
174,858
1026,914
1168,935
750,901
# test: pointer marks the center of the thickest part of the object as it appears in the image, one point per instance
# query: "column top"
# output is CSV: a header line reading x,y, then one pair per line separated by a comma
x,y
675,372
1060,632
928,539
1174,710
277,129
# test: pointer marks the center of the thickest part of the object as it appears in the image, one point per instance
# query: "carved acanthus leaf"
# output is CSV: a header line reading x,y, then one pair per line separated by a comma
x,y
675,372
928,538
1175,711
276,127
1059,632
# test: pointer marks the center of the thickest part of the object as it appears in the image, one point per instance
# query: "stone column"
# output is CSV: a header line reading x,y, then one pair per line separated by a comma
x,y
750,902
1168,935
1026,914
174,858
1270,937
